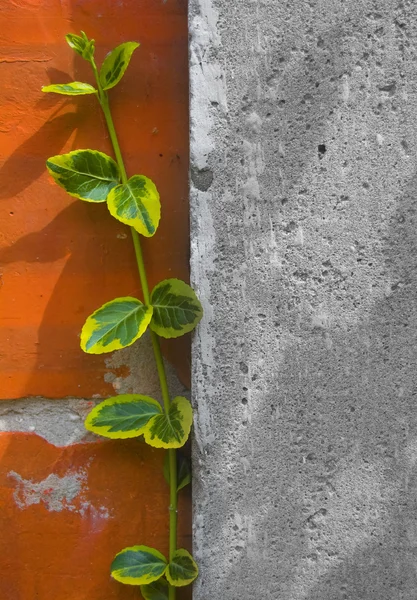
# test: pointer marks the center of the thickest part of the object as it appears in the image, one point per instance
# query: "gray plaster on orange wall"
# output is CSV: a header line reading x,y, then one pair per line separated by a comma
x,y
57,493
61,422
303,239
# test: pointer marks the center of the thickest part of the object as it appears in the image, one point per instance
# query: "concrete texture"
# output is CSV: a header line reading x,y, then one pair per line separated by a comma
x,y
304,252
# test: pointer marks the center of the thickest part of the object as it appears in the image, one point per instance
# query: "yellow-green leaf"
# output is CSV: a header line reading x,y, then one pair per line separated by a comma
x,y
115,325
74,88
77,42
170,430
115,64
85,174
123,416
81,45
138,565
182,569
137,204
158,590
176,308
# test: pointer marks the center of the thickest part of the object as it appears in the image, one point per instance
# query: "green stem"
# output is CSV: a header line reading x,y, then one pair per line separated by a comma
x,y
173,494
173,501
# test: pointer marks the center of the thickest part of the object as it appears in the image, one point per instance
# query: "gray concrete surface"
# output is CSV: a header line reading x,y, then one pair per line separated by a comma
x,y
304,198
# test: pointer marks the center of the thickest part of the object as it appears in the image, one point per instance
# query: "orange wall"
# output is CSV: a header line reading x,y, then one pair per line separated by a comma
x,y
60,258
65,513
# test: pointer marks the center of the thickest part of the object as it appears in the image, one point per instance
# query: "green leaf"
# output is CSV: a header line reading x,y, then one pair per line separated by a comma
x,y
82,45
76,42
158,590
183,470
170,430
115,325
123,416
138,565
86,174
176,308
115,64
137,204
182,569
74,88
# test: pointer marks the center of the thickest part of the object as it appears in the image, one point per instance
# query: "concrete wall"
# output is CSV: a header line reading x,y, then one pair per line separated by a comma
x,y
304,252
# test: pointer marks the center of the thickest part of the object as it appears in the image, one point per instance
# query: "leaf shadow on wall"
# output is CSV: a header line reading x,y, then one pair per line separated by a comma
x,y
63,238
72,242
27,163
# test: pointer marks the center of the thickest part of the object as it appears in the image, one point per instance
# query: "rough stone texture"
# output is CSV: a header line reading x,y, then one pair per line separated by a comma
x,y
304,253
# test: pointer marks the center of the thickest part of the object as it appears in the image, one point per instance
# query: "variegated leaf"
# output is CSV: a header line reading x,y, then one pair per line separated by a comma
x,y
182,569
123,416
74,88
86,174
115,325
115,64
136,203
170,430
138,565
177,309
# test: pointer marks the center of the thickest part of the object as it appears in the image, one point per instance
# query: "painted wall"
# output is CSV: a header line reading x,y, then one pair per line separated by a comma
x,y
69,502
303,156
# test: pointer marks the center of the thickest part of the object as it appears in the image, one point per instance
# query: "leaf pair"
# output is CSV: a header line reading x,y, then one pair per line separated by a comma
x,y
174,310
95,177
132,415
111,72
141,565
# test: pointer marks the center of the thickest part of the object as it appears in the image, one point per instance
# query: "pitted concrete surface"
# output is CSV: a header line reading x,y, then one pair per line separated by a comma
x,y
304,234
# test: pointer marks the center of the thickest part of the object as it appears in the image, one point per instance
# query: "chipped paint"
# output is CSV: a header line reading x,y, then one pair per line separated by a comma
x,y
60,423
56,493
132,370
68,493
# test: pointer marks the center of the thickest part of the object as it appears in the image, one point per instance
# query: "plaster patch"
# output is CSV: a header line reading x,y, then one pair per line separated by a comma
x,y
60,423
133,371
56,493
59,493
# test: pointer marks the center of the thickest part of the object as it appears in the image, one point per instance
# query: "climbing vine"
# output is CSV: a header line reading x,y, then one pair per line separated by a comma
x,y
170,310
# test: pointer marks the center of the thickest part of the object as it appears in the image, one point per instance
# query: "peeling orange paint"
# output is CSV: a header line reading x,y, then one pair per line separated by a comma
x,y
60,259
65,513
